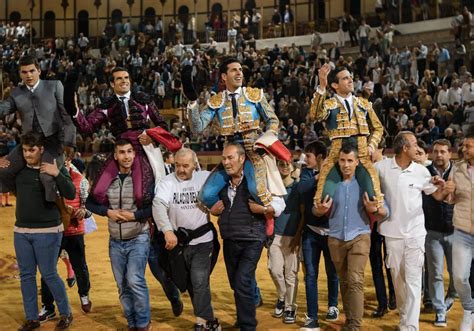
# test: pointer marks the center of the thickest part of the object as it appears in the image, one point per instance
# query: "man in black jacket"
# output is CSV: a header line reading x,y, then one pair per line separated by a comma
x,y
242,228
439,240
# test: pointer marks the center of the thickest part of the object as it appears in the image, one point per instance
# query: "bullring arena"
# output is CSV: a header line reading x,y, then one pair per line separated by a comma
x,y
106,313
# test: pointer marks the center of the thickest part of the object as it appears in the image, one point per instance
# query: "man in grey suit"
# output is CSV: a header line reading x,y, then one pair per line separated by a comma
x,y
41,109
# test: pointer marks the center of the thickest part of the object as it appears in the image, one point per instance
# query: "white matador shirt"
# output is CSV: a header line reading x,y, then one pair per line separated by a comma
x,y
180,198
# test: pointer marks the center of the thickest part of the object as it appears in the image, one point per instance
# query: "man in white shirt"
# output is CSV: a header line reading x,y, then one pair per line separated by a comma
x,y
467,93
175,207
402,181
454,94
443,95
82,41
421,54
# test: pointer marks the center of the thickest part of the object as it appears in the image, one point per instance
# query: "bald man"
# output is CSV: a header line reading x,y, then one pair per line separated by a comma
x,y
176,212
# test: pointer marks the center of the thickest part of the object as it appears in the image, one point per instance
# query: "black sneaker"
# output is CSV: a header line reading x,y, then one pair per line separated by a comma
x,y
440,320
333,314
65,322
177,307
279,308
29,325
213,325
428,307
379,312
71,281
289,316
46,315
392,302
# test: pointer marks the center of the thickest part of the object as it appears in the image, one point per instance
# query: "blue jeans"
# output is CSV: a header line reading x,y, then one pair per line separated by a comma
x,y
437,246
463,250
129,260
313,244
39,250
170,289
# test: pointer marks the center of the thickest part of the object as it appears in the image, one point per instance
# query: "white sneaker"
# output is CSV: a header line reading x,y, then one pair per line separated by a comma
x,y
466,323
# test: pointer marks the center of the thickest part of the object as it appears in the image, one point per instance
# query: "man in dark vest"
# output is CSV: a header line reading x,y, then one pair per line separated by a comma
x,y
439,238
242,227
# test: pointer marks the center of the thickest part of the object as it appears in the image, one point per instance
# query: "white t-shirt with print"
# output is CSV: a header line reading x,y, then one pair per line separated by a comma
x,y
180,198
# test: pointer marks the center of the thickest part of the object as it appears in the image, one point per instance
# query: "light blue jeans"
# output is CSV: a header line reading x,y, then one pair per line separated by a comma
x,y
129,259
39,250
463,250
437,246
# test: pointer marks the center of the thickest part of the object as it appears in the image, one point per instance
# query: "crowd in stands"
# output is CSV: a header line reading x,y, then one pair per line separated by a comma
x,y
427,89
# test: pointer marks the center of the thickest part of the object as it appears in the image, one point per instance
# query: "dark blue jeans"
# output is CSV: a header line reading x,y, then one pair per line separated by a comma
x,y
378,252
313,245
39,250
241,258
171,291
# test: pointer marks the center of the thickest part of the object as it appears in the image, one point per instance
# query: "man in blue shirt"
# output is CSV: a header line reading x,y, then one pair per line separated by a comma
x,y
349,233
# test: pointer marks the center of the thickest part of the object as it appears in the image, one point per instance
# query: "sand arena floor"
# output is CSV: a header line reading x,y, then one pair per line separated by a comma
x,y
107,315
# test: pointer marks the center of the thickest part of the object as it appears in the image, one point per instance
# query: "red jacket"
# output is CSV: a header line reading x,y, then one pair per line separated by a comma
x,y
75,227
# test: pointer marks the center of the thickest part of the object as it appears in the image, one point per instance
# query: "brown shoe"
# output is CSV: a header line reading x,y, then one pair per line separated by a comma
x,y
86,304
65,322
29,325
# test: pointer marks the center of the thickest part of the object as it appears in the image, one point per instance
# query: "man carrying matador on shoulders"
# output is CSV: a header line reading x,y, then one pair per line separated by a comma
x,y
238,112
346,117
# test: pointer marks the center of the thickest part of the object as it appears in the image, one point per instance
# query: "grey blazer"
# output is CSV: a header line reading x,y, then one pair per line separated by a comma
x,y
48,104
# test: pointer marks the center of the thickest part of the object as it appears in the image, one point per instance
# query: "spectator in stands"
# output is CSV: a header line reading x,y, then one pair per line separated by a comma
x,y
455,94
467,94
421,52
363,33
287,18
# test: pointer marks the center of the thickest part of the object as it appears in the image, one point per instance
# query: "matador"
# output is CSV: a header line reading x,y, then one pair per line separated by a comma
x,y
238,112
346,117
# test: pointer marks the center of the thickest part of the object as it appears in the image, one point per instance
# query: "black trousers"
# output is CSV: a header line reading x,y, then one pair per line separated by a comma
x,y
376,256
52,151
75,247
241,258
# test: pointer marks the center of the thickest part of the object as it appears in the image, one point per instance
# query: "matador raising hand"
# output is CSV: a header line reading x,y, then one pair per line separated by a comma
x,y
346,117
